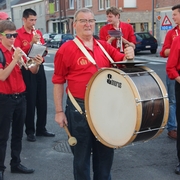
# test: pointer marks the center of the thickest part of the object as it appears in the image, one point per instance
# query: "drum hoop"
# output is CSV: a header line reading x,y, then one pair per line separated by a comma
x,y
165,99
138,108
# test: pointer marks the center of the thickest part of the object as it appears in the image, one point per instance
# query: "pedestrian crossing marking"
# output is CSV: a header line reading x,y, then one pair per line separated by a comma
x,y
49,66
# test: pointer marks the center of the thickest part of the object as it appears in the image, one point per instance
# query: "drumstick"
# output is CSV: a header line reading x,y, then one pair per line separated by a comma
x,y
125,41
72,140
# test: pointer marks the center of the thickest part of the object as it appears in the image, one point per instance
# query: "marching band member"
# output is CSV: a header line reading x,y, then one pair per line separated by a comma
x,y
36,84
12,98
114,23
73,66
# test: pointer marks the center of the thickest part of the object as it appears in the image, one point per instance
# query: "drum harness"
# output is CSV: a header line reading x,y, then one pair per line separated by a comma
x,y
83,49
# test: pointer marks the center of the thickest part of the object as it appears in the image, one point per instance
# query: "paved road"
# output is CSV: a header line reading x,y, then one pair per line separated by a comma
x,y
52,159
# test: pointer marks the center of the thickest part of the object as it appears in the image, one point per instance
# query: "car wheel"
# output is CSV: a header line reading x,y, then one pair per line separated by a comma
x,y
153,51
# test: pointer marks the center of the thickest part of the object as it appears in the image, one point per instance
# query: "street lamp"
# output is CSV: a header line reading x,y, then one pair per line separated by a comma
x,y
60,16
153,17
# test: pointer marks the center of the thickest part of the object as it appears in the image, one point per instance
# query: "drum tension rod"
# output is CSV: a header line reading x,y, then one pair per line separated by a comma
x,y
152,99
148,130
132,73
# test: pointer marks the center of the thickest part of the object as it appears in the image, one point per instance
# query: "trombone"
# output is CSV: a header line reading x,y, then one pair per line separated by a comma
x,y
29,62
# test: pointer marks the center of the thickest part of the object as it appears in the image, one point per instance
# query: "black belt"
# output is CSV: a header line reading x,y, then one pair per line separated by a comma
x,y
14,96
77,99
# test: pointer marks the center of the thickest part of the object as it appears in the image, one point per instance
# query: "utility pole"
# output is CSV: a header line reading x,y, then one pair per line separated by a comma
x,y
60,16
153,17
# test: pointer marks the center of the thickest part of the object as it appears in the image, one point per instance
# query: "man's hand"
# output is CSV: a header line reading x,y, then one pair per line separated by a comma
x,y
111,39
38,59
36,38
178,79
129,52
61,119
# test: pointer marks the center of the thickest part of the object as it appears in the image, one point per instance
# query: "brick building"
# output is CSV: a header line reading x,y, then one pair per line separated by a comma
x,y
136,12
57,15
143,15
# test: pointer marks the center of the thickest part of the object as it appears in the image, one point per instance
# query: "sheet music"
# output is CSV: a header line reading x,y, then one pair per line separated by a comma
x,y
35,50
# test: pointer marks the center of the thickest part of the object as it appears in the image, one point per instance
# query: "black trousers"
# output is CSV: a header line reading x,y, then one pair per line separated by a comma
x,y
102,157
36,87
12,110
177,94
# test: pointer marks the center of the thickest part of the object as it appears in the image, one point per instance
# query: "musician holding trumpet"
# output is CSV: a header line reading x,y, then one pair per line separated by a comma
x,y
12,97
36,84
114,24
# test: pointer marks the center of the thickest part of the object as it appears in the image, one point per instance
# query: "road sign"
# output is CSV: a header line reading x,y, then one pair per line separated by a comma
x,y
166,21
166,24
158,18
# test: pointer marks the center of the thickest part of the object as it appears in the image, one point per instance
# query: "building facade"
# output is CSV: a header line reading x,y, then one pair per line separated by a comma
x,y
164,21
154,16
135,12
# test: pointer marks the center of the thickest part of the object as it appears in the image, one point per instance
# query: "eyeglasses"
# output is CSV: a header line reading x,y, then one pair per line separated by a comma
x,y
84,21
9,36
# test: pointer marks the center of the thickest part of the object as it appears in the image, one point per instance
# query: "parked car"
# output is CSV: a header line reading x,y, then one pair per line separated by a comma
x,y
48,37
59,39
145,41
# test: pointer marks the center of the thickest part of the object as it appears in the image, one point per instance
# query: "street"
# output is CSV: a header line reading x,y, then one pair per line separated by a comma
x,y
52,159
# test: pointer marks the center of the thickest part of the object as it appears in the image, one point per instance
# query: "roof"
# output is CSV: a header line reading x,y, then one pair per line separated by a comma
x,y
24,2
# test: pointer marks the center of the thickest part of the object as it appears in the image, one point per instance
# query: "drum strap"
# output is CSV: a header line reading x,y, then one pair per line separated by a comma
x,y
86,53
74,102
83,49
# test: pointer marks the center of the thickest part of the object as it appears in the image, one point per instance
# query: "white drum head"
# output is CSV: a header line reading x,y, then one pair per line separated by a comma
x,y
111,108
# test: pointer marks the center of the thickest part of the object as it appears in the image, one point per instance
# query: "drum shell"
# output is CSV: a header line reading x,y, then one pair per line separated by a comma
x,y
149,99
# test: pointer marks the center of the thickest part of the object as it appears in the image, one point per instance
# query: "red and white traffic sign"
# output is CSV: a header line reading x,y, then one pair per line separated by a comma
x,y
166,21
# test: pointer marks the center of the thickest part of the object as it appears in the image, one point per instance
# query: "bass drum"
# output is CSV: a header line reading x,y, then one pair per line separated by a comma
x,y
126,105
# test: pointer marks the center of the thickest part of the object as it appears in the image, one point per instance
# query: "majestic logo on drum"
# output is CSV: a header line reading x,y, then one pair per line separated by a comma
x,y
113,82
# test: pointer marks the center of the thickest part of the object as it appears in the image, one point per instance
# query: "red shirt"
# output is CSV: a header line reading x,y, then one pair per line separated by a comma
x,y
72,66
23,39
173,62
171,34
14,83
127,31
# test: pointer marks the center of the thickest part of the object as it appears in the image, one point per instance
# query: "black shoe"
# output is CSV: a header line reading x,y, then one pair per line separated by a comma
x,y
45,133
31,137
177,170
1,175
21,169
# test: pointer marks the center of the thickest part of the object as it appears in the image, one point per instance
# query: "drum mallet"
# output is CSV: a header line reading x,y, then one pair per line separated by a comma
x,y
72,140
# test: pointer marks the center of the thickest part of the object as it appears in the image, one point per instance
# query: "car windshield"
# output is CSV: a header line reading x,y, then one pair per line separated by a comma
x,y
45,35
58,36
144,35
67,36
52,35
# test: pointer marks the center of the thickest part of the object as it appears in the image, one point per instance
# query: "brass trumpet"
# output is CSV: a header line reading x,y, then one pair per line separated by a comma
x,y
35,33
29,62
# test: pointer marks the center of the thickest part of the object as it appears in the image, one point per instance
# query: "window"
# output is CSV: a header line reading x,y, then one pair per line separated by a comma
x,y
88,3
101,4
130,4
107,3
40,9
71,4
57,5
